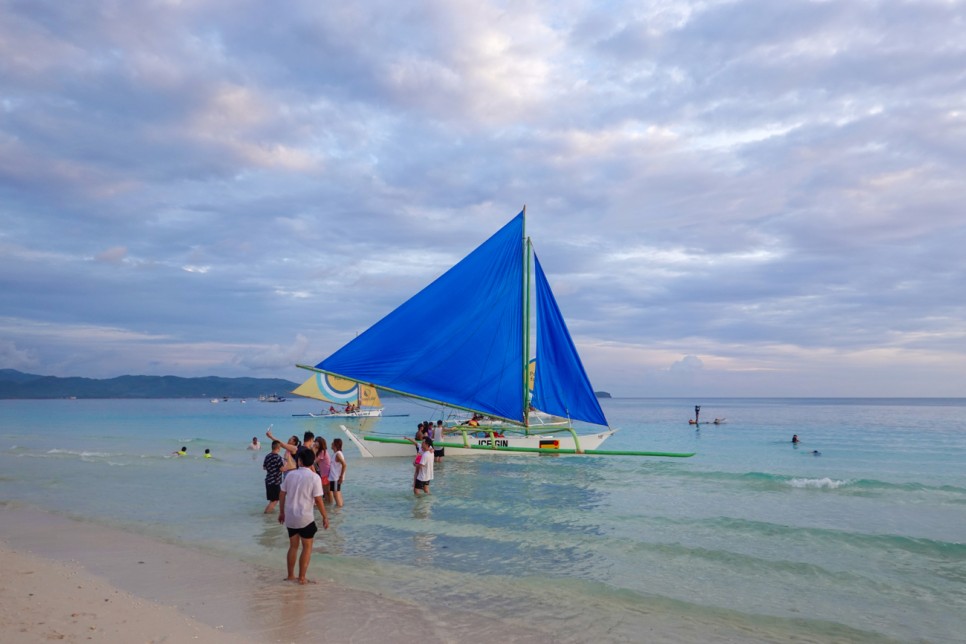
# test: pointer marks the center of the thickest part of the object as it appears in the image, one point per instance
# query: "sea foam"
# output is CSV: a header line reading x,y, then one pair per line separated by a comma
x,y
823,483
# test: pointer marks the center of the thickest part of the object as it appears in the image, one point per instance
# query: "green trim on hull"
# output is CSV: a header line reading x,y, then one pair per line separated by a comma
x,y
539,450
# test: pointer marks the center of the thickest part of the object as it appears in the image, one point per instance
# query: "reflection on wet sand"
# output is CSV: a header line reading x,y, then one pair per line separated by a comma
x,y
424,543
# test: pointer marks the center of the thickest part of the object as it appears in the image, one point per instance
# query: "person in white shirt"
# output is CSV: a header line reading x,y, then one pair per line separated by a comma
x,y
438,438
337,470
301,492
424,469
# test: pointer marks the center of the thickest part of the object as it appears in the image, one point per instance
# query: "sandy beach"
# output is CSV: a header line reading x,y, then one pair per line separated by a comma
x,y
43,600
67,580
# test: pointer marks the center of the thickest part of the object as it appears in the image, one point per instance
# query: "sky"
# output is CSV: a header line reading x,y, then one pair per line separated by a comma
x,y
739,198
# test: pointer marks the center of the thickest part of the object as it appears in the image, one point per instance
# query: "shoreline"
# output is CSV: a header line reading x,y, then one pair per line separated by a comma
x,y
76,581
752,541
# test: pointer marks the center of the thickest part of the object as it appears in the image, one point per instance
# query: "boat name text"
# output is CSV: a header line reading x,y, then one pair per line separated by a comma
x,y
500,442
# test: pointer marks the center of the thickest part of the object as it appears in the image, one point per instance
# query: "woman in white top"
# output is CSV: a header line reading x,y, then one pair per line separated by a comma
x,y
337,471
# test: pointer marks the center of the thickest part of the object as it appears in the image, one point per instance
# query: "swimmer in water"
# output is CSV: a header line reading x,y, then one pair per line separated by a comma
x,y
183,452
795,440
207,453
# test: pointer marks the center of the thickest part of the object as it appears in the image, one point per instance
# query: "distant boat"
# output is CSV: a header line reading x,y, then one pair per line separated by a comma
x,y
271,398
464,342
356,400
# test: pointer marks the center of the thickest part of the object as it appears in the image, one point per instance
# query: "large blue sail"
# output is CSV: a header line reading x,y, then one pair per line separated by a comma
x,y
561,386
459,341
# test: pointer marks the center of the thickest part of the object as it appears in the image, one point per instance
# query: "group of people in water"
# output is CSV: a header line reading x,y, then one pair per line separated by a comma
x,y
300,477
330,468
184,452
434,433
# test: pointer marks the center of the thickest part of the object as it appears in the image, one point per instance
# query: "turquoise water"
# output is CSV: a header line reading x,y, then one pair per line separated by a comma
x,y
866,541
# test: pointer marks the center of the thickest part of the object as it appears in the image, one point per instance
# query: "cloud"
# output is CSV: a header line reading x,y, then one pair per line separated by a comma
x,y
275,357
774,187
112,255
13,357
687,365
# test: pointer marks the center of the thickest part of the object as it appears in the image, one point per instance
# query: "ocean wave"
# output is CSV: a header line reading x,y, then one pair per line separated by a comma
x,y
822,483
779,482
82,454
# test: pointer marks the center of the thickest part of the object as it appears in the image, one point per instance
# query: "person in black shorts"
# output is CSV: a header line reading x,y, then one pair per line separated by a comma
x,y
301,494
438,452
424,468
272,465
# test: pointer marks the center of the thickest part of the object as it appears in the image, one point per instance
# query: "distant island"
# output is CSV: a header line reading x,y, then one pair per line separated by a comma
x,y
19,385
16,384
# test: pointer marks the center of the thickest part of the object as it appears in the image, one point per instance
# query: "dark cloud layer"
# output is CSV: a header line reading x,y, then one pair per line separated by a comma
x,y
729,198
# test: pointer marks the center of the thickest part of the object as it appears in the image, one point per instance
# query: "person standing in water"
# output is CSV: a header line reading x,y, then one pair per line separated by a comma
x,y
438,432
291,448
421,433
301,491
323,463
337,470
272,465
424,468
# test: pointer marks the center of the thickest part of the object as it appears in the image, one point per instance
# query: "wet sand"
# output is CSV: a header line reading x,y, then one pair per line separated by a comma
x,y
42,600
78,581
75,581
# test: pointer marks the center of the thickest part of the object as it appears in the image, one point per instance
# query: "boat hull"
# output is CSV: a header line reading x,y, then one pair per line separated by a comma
x,y
559,443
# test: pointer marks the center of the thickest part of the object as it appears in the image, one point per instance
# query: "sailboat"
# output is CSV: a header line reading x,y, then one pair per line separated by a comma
x,y
356,400
464,342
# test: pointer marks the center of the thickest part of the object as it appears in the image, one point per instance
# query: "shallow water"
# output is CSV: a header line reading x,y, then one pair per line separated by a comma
x,y
866,541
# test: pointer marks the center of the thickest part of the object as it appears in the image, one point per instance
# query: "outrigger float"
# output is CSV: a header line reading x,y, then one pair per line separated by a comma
x,y
464,342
